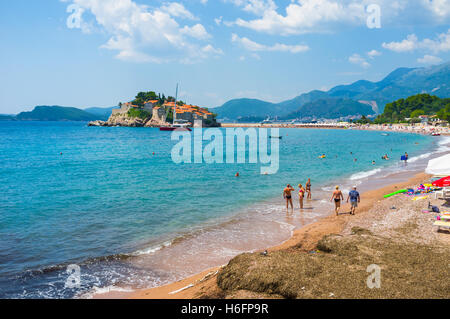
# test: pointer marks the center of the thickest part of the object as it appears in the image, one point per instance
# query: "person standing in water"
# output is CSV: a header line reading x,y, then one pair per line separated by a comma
x,y
301,195
354,198
287,194
308,188
337,197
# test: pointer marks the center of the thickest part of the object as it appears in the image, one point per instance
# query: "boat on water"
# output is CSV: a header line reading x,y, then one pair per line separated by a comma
x,y
435,134
279,137
176,126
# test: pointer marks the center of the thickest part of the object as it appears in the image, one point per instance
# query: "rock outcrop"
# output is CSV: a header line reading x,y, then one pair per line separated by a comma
x,y
126,121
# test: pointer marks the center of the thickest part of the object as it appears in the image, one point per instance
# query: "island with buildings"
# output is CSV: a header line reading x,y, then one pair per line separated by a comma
x,y
151,110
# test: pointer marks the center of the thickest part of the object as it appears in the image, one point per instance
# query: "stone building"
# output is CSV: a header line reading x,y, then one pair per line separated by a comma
x,y
123,109
159,114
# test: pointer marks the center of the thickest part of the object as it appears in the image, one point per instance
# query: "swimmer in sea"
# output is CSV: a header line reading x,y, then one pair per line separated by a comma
x,y
337,197
308,189
287,194
301,195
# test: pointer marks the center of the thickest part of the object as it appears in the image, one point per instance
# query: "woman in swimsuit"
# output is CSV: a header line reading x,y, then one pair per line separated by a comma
x,y
308,188
288,196
337,197
301,195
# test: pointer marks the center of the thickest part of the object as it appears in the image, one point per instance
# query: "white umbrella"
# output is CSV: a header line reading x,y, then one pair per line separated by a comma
x,y
439,166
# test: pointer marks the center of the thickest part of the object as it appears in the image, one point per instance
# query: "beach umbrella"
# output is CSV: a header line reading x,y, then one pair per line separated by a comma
x,y
439,166
443,182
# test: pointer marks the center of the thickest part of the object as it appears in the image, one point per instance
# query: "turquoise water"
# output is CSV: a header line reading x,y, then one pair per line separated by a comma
x,y
107,196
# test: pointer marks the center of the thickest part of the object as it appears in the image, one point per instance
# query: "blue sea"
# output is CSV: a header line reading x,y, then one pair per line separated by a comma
x,y
112,201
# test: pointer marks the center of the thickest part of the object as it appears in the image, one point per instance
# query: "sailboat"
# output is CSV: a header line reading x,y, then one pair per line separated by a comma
x,y
176,126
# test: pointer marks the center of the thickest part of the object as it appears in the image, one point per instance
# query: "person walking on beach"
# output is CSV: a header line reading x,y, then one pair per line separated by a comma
x,y
287,194
337,197
355,199
301,195
308,188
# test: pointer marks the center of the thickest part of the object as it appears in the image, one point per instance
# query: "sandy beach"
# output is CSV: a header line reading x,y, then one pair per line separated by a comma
x,y
405,128
397,220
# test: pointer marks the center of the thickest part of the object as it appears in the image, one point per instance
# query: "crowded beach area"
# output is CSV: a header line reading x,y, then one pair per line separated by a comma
x,y
406,128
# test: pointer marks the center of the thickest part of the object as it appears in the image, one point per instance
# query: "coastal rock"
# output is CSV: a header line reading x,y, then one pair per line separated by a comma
x,y
97,123
125,121
156,123
120,120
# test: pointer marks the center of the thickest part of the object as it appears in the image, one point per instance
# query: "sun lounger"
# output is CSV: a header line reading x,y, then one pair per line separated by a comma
x,y
446,194
442,224
443,193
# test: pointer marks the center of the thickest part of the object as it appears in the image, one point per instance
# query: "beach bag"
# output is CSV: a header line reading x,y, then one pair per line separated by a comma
x,y
435,209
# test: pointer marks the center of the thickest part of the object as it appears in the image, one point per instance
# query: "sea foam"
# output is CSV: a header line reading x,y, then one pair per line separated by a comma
x,y
366,174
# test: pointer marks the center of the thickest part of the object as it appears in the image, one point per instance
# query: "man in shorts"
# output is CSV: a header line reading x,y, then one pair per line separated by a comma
x,y
354,198
287,194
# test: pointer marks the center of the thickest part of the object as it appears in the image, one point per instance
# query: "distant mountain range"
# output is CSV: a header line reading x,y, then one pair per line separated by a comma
x,y
359,98
60,113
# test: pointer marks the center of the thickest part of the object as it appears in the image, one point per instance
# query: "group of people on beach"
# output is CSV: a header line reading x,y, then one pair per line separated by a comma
x,y
337,196
287,194
353,197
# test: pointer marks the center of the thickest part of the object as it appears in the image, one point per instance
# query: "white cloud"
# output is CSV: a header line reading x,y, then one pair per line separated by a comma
x,y
257,47
197,31
440,44
304,16
313,16
142,34
408,44
177,10
359,60
429,59
373,53
439,8
210,49
218,21
257,7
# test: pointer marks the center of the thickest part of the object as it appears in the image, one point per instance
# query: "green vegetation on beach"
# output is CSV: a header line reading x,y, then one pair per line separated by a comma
x,y
412,108
415,106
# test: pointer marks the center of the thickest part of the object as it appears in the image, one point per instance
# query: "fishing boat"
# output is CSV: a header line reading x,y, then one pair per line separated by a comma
x,y
176,126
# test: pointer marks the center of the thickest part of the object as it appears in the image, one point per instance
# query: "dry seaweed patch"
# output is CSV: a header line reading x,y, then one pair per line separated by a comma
x,y
339,270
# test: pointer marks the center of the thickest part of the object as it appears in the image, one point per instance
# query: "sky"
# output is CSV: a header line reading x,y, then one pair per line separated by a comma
x,y
97,53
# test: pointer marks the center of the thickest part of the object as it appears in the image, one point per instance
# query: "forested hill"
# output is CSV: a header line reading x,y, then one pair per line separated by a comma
x,y
415,106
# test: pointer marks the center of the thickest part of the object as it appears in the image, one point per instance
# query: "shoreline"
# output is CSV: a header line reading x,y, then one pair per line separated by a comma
x,y
306,237
399,128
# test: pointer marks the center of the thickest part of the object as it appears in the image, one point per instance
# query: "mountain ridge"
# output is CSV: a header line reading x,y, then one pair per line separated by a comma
x,y
400,83
60,113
